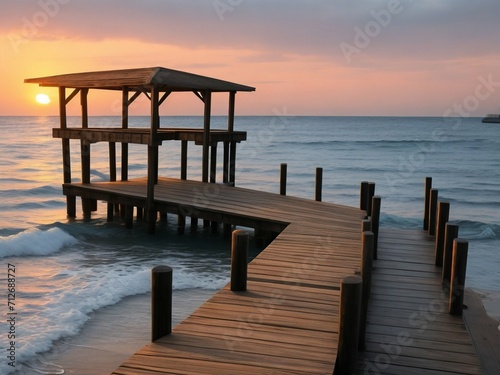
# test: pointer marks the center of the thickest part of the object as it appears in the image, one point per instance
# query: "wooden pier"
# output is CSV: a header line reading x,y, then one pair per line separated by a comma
x,y
293,315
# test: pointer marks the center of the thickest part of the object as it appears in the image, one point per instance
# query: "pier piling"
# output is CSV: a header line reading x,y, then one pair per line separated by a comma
x,y
458,271
350,309
161,302
442,218
239,260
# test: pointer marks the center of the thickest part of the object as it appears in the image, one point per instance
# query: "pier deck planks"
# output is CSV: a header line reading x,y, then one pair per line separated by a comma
x,y
287,321
409,329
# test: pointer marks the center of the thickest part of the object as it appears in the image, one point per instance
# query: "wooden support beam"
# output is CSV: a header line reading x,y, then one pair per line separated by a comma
x,y
230,116
450,233
133,97
71,96
199,95
66,153
153,160
232,164
225,167
433,202
213,163
125,104
184,155
239,260
164,96
206,134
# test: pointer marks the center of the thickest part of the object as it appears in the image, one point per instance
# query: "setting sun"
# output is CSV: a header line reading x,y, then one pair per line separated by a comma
x,y
43,99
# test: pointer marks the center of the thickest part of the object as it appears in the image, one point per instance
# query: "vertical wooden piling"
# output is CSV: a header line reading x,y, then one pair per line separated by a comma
x,y
85,153
366,276
371,194
363,195
375,220
319,184
442,218
161,302
129,216
427,197
433,201
458,271
283,172
239,260
450,233
350,308
366,225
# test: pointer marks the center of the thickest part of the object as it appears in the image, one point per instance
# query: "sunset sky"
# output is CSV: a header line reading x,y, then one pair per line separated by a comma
x,y
344,57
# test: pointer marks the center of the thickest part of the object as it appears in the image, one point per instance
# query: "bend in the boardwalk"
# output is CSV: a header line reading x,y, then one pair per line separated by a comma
x,y
287,320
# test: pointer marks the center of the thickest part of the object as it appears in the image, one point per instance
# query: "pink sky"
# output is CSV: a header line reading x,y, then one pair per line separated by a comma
x,y
344,58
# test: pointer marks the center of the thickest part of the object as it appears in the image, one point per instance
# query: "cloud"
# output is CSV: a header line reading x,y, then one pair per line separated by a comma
x,y
424,29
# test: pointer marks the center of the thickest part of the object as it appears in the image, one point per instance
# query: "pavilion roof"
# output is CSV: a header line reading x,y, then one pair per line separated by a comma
x,y
140,78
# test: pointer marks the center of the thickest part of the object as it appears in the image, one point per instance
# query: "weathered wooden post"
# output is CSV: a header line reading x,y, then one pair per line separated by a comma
x,y
371,194
366,225
366,276
161,302
350,309
363,195
428,187
319,184
375,218
283,171
239,260
450,233
432,211
458,271
442,218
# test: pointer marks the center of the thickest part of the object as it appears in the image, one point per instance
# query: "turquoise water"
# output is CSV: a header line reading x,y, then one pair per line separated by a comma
x,y
67,270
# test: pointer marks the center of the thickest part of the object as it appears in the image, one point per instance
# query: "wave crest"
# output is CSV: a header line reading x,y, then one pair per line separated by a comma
x,y
35,242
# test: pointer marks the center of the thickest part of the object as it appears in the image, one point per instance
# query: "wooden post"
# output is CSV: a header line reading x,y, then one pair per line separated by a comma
x,y
207,98
85,153
432,211
225,167
363,195
458,271
232,164
366,225
112,175
66,153
230,147
375,218
371,193
283,172
427,197
125,105
153,160
450,233
319,184
161,302
184,155
239,260
442,219
366,276
350,307
129,216
139,214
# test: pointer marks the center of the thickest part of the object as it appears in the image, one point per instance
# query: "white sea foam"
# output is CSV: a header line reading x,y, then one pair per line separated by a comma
x,y
35,242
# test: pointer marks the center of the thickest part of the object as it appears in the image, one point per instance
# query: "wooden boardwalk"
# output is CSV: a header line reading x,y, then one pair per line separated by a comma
x,y
287,321
409,329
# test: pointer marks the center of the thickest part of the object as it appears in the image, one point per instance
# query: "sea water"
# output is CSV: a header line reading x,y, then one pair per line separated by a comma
x,y
63,271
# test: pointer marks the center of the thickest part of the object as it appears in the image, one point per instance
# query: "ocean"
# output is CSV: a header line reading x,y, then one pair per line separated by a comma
x,y
65,272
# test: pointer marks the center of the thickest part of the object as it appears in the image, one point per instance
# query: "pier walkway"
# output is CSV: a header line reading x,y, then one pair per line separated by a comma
x,y
409,330
287,320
